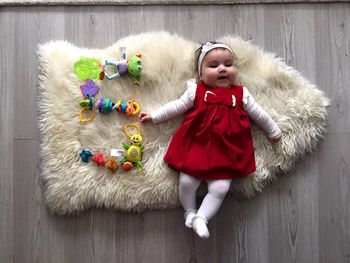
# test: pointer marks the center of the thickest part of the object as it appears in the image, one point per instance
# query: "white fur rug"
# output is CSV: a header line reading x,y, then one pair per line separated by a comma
x,y
71,185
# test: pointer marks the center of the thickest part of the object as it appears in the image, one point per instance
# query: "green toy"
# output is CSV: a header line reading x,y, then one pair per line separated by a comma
x,y
88,68
135,68
134,150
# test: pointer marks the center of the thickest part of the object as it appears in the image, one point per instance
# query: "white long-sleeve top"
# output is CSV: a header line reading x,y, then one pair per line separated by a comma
x,y
185,102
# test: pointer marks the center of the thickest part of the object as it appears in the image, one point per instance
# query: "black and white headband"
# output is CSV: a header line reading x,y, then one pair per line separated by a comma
x,y
208,47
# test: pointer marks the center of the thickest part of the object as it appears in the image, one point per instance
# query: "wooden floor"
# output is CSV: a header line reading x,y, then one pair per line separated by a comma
x,y
302,217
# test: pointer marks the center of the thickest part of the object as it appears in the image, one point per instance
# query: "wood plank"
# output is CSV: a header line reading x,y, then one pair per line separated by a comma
x,y
333,63
293,201
242,232
293,221
26,201
6,136
334,196
30,25
151,2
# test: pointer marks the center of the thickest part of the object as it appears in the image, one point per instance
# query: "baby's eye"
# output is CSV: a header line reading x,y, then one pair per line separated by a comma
x,y
229,65
213,66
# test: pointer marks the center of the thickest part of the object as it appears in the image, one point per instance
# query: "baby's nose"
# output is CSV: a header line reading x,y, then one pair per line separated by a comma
x,y
222,68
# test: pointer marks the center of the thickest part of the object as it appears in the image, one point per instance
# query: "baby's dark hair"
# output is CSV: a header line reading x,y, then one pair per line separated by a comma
x,y
199,51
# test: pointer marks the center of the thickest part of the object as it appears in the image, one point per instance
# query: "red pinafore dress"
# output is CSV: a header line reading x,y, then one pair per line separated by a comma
x,y
214,141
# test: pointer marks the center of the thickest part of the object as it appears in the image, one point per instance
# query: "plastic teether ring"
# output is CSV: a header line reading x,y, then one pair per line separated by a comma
x,y
89,118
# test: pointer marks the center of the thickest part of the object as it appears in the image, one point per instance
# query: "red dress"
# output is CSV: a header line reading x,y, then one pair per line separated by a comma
x,y
214,141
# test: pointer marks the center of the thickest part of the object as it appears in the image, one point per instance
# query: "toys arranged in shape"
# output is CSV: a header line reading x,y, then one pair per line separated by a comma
x,y
93,69
105,105
130,157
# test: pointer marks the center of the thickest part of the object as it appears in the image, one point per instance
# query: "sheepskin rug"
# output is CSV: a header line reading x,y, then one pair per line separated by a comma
x,y
71,185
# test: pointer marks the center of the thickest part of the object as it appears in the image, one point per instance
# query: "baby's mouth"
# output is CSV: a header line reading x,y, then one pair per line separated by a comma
x,y
222,77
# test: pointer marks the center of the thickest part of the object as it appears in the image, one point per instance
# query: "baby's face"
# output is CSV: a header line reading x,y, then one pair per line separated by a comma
x,y
218,69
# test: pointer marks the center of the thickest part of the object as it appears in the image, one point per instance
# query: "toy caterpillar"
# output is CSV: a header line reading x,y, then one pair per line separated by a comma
x,y
105,105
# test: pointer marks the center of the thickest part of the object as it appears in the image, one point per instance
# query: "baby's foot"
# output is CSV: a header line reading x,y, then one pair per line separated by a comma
x,y
199,224
189,214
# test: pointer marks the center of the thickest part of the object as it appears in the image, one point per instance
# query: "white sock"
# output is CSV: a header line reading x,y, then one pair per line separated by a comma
x,y
199,225
188,186
217,190
189,214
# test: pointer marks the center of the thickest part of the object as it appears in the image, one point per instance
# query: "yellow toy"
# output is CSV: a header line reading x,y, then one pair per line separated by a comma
x,y
89,117
130,107
134,150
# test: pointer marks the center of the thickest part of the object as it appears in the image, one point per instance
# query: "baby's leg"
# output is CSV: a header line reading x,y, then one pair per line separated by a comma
x,y
217,190
188,186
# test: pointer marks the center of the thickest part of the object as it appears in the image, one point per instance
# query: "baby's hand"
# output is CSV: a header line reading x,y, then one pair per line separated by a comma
x,y
144,116
276,138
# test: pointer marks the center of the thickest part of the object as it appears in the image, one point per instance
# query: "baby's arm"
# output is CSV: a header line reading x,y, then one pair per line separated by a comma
x,y
172,108
261,117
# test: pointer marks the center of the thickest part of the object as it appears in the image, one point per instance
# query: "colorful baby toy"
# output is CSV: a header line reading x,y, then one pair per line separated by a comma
x,y
88,68
134,150
123,66
105,105
89,88
133,67
91,70
110,163
131,154
85,155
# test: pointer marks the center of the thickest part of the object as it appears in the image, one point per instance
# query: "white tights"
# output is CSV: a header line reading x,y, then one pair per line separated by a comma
x,y
217,190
